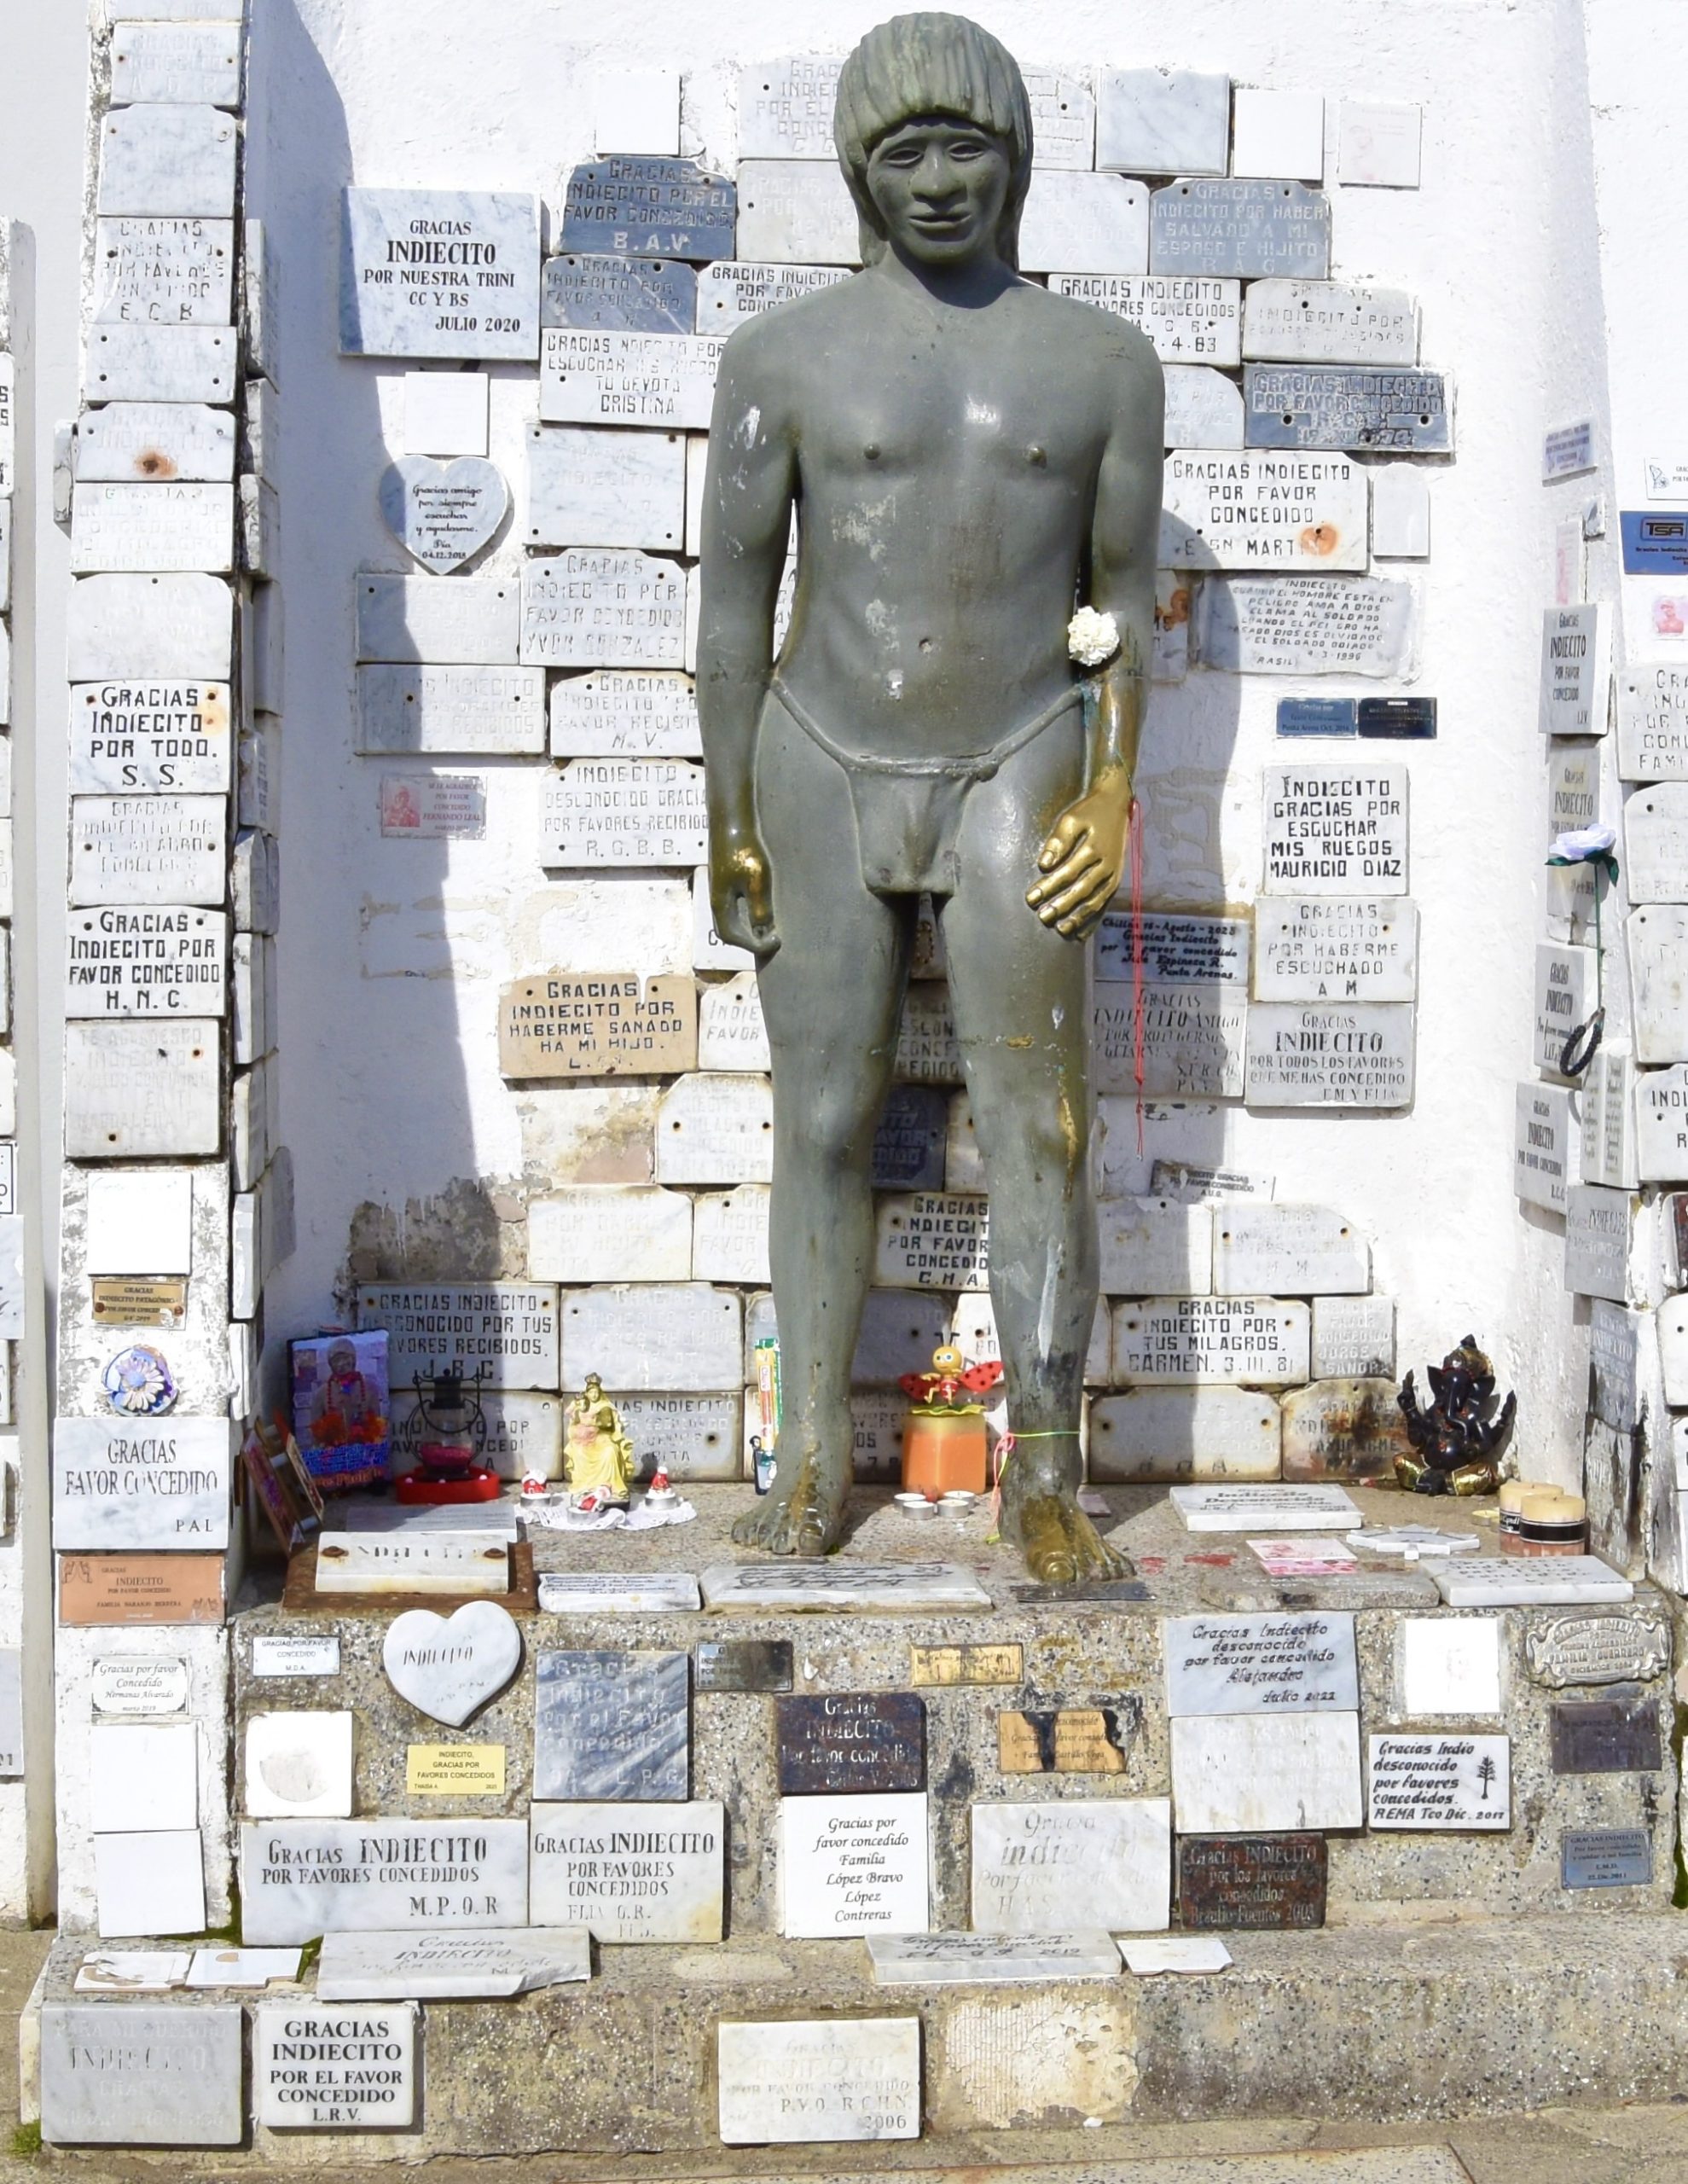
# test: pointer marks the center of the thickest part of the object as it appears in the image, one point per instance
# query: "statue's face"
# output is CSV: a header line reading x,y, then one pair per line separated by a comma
x,y
939,185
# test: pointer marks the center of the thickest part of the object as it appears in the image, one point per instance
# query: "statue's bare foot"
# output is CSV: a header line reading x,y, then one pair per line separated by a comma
x,y
1060,1544
801,1516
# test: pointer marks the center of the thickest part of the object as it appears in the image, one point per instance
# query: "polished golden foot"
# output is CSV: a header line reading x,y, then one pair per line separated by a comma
x,y
803,1516
1060,1544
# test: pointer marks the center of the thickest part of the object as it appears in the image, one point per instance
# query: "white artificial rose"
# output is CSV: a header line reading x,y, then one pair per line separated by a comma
x,y
1092,637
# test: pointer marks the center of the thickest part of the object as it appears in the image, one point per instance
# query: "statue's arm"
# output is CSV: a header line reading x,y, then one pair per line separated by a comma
x,y
748,495
1083,860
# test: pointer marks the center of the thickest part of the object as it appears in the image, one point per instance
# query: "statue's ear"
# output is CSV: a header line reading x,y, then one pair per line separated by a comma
x,y
1437,1378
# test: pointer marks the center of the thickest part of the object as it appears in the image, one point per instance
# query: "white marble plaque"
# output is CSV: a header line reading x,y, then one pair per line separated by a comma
x,y
931,1240
599,376
1450,1665
160,363
1194,1039
1597,1241
796,212
1335,831
439,273
991,1960
1443,1781
298,1766
176,63
729,1238
630,1872
311,1653
617,1592
148,849
1084,224
141,626
1658,942
618,714
1247,1774
1545,1146
731,1032
415,1558
624,811
1203,408
446,1666
1355,1055
1576,670
1353,1337
473,621
653,1337
734,289
143,441
441,513
1263,1249
430,1967
405,709
715,1130
150,735
302,1877
1336,950
1260,1664
1290,1508
163,273
1035,1864
141,1090
1166,1434
1174,1341
1263,511
852,1865
796,2080
610,1232
1656,842
1516,1581
145,1684
786,108
508,1326
1163,121
1155,1247
605,487
1564,998
159,1483
1400,512
596,607
1661,1125
316,2067
1609,1143
177,158
1653,723
839,1585
1323,322
135,2076
1191,320
146,962
1307,626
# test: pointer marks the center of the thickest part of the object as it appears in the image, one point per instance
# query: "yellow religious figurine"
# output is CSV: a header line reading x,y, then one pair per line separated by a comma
x,y
599,1458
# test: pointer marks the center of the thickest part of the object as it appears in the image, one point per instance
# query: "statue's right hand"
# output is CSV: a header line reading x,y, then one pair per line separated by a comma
x,y
741,891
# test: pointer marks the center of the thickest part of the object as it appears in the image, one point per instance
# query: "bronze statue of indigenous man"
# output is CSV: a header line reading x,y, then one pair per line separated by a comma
x,y
969,459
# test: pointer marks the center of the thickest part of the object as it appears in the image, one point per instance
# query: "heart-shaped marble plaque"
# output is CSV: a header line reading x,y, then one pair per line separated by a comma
x,y
447,1665
444,513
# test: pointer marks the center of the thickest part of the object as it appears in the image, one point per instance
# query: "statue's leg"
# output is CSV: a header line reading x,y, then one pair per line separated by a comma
x,y
1023,1016
831,997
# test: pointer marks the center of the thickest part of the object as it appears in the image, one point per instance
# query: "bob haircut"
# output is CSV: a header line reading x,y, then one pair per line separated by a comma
x,y
916,66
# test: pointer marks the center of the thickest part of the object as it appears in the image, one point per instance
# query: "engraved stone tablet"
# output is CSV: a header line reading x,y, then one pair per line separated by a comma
x,y
617,714
1439,1782
794,211
908,1144
380,1967
1545,1155
1605,1736
1656,938
1190,321
1084,224
1605,1858
612,1725
404,709
991,1960
606,488
1300,1250
1246,511
1032,1864
593,607
133,2076
508,1326
1336,950
167,160
164,526
1249,1774
1576,670
1160,1433
472,620
553,1024
606,378
745,1664
148,849
139,1090
1192,1039
1260,1663
1653,723
1308,322
1163,121
146,962
142,441
1656,842
1332,831
616,811
1353,1337
1358,406
852,1865
138,1684
1173,1340
631,1873
1564,988
1564,1650
786,108
1512,1581
653,1337
1597,1241
814,1588
443,512
736,289
160,363
932,1239
1068,1739
715,1130
613,1591
162,272
1248,229
1152,1247
834,1744
278,1654
798,2080
1203,408
446,1666
439,273
1305,625
649,208
1251,1883
1355,1056
176,63
157,1484
625,295
150,736
418,1562
1343,1428
302,1877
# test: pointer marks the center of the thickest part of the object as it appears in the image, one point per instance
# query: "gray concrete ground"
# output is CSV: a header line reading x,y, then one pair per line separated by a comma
x,y
1563,2146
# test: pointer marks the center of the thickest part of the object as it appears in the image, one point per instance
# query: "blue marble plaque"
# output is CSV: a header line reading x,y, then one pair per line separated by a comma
x,y
650,208
908,1143
1653,544
620,295
1246,229
611,1727
1316,717
1406,720
1605,1858
1361,406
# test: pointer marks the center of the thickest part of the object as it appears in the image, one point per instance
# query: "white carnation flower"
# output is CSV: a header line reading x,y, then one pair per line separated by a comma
x,y
1092,637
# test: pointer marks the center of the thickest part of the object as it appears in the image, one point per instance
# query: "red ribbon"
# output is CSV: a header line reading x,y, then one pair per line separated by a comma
x,y
1134,837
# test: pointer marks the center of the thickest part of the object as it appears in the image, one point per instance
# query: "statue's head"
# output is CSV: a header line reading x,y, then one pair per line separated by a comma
x,y
595,1388
933,129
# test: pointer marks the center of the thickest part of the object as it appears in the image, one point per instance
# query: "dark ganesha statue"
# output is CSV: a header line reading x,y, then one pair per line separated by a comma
x,y
1457,1444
